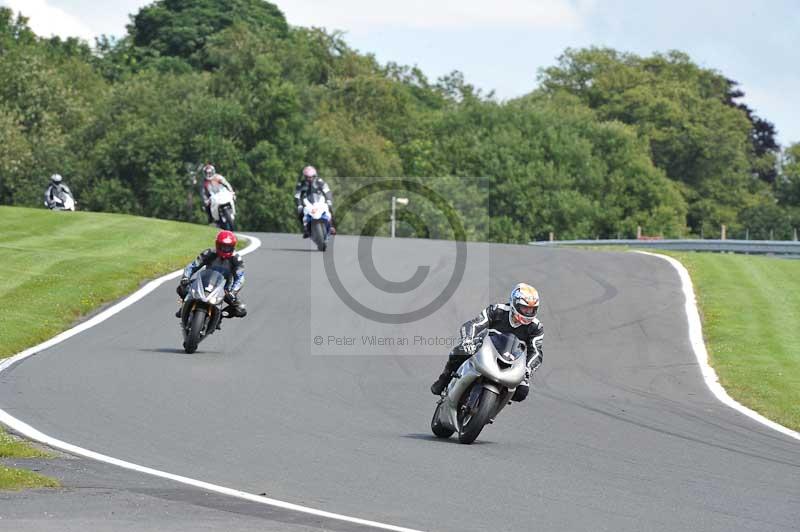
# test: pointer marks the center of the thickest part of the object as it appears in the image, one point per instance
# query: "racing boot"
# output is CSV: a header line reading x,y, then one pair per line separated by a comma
x,y
441,383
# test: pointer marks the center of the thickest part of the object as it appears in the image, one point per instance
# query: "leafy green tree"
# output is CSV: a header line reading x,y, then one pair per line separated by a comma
x,y
696,133
181,28
788,185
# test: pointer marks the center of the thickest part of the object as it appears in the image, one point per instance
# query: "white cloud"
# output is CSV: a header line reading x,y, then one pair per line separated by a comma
x,y
46,20
365,15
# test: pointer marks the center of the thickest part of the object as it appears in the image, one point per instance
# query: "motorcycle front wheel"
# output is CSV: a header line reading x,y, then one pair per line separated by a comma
x,y
318,235
471,423
194,335
227,219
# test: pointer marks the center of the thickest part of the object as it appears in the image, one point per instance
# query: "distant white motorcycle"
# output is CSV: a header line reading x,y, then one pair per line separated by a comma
x,y
63,201
317,219
223,208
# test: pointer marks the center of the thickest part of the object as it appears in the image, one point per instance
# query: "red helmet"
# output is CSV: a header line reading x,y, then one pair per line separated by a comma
x,y
226,244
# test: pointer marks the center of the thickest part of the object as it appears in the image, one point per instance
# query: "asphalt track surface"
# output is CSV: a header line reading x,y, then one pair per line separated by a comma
x,y
620,432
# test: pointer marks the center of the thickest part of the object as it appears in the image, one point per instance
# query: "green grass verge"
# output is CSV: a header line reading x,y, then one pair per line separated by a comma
x,y
14,448
15,479
18,479
60,266
750,307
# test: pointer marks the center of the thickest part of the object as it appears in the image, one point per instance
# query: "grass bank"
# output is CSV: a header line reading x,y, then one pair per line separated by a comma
x,y
750,308
60,266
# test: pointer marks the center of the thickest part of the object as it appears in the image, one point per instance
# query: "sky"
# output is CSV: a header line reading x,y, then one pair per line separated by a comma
x,y
501,44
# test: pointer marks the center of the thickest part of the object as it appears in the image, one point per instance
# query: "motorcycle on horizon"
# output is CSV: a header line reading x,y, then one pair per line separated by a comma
x,y
63,201
317,219
481,387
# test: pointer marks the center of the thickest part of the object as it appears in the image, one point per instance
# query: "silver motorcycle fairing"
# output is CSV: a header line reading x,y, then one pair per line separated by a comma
x,y
485,362
207,288
482,364
212,293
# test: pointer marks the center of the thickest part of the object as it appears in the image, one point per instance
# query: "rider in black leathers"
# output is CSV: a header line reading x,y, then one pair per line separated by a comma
x,y
311,182
517,317
225,260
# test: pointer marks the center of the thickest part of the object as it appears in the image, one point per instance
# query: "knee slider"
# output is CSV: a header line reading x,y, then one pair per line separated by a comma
x,y
521,393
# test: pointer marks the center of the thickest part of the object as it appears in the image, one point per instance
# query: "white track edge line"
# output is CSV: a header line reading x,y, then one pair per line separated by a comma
x,y
26,430
701,353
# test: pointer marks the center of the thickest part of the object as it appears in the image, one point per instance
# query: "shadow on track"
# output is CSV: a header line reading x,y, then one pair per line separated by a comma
x,y
176,351
452,440
296,250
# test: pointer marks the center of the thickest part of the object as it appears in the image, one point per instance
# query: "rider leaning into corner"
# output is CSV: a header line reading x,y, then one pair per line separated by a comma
x,y
224,259
53,192
518,317
310,182
212,183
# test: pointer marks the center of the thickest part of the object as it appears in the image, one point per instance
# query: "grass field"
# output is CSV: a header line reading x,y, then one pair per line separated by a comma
x,y
750,307
61,266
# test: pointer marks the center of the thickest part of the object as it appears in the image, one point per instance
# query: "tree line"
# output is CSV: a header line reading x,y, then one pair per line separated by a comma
x,y
608,142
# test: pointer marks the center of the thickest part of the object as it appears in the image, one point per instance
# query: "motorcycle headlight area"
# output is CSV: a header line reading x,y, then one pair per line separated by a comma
x,y
212,294
216,296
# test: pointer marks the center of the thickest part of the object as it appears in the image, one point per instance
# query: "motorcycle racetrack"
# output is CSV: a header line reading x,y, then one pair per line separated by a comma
x,y
312,401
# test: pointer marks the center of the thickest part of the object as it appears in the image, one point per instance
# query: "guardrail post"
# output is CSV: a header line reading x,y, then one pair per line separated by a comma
x,y
638,232
795,234
724,232
552,236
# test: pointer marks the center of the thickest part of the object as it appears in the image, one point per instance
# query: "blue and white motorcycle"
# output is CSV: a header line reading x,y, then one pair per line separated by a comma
x,y
317,219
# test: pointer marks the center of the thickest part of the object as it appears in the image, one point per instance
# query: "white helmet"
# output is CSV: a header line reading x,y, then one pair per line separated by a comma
x,y
56,178
209,171
524,302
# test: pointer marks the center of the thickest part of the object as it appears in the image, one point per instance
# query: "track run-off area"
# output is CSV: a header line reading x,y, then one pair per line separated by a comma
x,y
312,402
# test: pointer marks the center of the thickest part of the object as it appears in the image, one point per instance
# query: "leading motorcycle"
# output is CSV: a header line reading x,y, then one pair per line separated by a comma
x,y
202,308
481,387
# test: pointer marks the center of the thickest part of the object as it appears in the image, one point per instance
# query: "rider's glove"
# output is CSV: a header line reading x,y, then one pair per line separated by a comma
x,y
185,281
469,346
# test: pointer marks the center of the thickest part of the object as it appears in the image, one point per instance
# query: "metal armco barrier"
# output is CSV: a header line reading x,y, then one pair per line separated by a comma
x,y
772,247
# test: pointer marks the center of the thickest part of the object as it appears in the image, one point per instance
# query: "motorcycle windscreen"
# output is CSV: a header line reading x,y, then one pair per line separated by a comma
x,y
211,279
313,197
507,345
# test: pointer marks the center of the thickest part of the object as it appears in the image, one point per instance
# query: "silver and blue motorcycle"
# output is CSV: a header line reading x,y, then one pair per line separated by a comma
x,y
481,388
202,308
